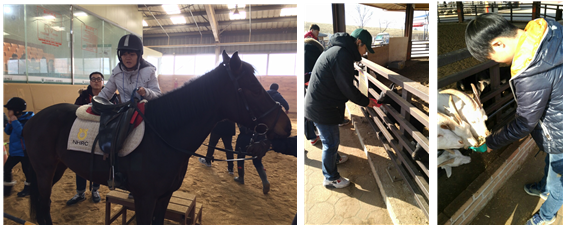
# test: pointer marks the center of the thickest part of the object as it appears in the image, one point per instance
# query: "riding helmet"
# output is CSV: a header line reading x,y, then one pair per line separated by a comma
x,y
16,104
130,42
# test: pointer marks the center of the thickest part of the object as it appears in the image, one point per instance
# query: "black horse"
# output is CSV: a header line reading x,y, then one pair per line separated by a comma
x,y
155,169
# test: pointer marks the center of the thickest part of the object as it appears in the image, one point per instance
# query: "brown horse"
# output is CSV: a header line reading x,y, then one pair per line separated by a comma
x,y
155,169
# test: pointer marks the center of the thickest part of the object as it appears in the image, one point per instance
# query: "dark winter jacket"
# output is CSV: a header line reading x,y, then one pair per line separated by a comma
x,y
85,96
14,129
312,49
225,128
279,98
331,84
537,84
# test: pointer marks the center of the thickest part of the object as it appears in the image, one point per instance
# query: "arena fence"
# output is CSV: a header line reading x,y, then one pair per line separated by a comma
x,y
394,126
513,11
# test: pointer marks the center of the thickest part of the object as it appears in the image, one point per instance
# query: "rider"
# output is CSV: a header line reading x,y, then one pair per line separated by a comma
x,y
132,72
17,118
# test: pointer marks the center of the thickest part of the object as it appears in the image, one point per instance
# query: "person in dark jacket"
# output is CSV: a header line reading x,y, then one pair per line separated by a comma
x,y
242,141
17,118
273,92
224,130
85,97
330,87
312,50
536,58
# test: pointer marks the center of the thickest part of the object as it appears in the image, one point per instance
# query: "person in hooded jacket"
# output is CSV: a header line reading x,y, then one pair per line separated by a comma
x,y
85,97
536,58
17,118
312,49
329,88
132,73
277,96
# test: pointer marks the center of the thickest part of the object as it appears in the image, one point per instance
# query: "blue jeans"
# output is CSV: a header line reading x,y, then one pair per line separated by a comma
x,y
330,141
552,182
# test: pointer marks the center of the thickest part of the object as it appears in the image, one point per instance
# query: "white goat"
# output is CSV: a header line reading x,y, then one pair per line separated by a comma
x,y
459,127
451,158
468,109
447,139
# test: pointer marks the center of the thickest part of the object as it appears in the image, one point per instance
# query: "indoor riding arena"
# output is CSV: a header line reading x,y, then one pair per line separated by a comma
x,y
44,66
489,189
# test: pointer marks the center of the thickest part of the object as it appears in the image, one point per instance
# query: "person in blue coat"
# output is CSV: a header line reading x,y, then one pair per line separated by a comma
x,y
273,92
17,118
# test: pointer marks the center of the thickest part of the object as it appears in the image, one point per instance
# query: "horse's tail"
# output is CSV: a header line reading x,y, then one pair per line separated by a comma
x,y
34,193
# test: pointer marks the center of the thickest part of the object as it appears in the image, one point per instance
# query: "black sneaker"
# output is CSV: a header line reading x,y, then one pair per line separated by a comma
x,y
76,199
25,192
345,122
240,180
95,197
130,196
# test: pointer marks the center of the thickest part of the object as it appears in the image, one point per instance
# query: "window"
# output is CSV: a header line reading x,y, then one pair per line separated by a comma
x,y
184,65
204,63
167,65
282,64
259,61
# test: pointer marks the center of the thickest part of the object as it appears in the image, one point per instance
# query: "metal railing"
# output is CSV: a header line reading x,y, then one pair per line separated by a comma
x,y
419,49
394,128
513,11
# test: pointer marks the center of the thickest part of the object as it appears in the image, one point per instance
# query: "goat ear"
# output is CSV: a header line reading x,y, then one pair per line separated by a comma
x,y
225,57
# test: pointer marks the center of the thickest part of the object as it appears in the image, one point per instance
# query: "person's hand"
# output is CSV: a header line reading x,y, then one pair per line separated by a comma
x,y
287,111
371,104
12,118
489,150
141,91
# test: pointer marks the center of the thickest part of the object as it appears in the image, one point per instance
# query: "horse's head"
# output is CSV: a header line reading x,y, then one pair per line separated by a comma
x,y
250,104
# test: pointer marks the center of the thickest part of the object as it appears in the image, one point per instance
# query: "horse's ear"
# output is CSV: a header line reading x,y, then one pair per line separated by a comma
x,y
235,62
225,57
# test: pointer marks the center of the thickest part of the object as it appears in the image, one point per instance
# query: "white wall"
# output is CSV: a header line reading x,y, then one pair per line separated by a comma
x,y
126,16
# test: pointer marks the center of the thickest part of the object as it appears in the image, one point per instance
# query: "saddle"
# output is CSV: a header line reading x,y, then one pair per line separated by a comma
x,y
114,124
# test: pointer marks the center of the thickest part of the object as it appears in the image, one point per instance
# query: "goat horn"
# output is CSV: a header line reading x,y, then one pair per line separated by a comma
x,y
446,162
464,97
476,95
443,118
454,109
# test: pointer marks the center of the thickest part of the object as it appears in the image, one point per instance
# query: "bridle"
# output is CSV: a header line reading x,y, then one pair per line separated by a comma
x,y
257,136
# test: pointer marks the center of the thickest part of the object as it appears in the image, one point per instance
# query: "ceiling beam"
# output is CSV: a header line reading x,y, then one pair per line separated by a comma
x,y
224,23
226,33
220,11
213,22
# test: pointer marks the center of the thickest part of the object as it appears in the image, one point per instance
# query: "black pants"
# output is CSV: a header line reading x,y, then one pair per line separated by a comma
x,y
11,162
227,141
81,184
241,142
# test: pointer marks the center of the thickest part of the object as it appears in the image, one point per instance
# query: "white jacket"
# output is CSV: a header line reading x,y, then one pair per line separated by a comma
x,y
126,81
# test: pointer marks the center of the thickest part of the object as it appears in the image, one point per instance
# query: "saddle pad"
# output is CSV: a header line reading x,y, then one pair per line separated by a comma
x,y
83,133
83,112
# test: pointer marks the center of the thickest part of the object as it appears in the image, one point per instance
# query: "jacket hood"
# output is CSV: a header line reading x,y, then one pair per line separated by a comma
x,y
315,43
26,116
346,41
540,48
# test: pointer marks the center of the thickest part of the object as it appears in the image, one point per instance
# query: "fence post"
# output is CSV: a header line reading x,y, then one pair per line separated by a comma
x,y
460,11
535,10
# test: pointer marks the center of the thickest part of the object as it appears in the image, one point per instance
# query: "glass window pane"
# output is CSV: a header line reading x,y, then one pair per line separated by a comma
x,y
282,64
259,61
204,63
184,65
167,65
88,47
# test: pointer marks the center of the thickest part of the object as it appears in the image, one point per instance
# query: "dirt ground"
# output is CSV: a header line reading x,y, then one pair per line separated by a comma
x,y
224,201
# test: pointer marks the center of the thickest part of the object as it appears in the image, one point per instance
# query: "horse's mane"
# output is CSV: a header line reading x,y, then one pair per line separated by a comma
x,y
190,99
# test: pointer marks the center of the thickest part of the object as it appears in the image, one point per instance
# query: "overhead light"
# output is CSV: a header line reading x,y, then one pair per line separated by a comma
x,y
171,9
178,20
237,15
49,17
6,34
234,6
7,9
79,14
288,11
145,23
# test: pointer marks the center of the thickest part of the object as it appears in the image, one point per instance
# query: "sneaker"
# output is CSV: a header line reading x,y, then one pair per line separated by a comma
x,y
231,171
130,196
203,161
342,159
345,122
532,190
95,197
76,199
339,183
537,220
238,179
266,188
25,192
314,141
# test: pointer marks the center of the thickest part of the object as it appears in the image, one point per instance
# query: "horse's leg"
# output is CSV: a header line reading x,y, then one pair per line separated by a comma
x,y
60,170
144,208
40,196
161,209
262,173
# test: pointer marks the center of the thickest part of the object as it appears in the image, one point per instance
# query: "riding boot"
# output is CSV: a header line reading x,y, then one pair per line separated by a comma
x,y
240,177
264,177
25,191
8,187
